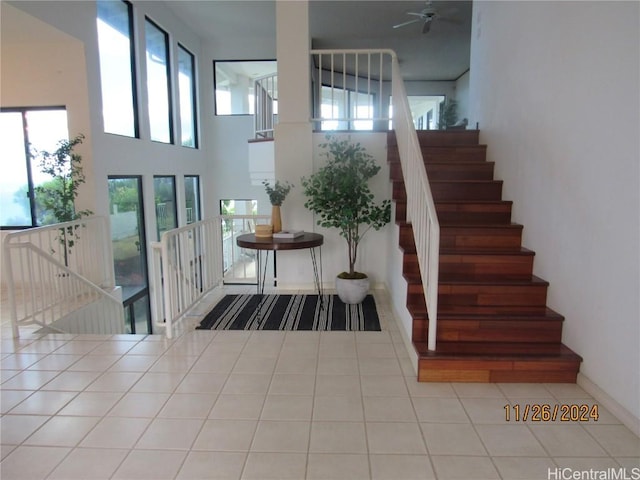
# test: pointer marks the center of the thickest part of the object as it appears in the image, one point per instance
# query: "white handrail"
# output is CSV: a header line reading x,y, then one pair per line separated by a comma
x,y
421,210
186,265
58,271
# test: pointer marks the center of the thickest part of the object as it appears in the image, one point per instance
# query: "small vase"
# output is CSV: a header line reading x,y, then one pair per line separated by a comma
x,y
276,219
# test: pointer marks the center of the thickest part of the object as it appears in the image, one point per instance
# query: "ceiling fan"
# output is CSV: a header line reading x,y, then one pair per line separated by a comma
x,y
427,15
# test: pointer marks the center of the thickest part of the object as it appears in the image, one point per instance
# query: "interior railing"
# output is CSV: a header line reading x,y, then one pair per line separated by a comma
x,y
186,265
265,97
351,88
55,271
372,76
421,209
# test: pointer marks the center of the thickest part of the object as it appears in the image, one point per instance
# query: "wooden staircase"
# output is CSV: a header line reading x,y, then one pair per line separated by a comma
x,y
493,322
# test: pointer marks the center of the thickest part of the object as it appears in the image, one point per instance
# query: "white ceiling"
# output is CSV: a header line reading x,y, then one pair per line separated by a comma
x,y
441,54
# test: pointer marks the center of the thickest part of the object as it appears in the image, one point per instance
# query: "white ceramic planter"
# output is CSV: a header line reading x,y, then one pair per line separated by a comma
x,y
352,291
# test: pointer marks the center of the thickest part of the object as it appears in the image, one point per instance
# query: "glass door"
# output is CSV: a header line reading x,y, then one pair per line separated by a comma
x,y
129,250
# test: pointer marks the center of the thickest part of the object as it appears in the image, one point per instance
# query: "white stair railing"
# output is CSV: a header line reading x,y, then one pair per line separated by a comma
x,y
54,271
374,75
187,264
421,209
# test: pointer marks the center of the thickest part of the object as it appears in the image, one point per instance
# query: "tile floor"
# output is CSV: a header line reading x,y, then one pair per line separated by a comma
x,y
263,405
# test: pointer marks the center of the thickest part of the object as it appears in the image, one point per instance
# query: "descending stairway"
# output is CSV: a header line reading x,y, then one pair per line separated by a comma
x,y
493,322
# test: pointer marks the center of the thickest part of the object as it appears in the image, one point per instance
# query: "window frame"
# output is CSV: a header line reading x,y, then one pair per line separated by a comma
x,y
168,75
31,194
194,99
133,70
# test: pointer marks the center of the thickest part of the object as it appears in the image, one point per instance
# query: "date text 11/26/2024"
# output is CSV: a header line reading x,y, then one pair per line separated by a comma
x,y
545,412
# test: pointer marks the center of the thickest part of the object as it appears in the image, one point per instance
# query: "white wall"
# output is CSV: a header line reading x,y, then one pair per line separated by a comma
x,y
554,86
462,96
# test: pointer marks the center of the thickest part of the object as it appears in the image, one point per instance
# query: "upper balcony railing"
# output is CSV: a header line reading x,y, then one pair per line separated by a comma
x,y
351,88
265,98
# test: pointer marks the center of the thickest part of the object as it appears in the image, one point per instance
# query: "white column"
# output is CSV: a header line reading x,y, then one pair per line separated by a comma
x,y
293,133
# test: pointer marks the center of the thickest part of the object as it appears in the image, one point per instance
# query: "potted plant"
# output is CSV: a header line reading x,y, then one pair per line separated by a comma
x,y
339,194
277,193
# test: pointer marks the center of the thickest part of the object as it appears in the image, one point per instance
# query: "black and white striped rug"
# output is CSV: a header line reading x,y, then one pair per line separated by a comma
x,y
290,312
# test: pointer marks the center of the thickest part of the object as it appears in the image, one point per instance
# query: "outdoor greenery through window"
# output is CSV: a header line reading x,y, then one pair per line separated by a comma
x,y
187,92
164,191
192,198
117,71
23,132
158,83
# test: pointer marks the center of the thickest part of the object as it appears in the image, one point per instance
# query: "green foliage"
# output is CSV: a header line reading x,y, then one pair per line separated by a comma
x,y
55,198
448,114
278,192
339,194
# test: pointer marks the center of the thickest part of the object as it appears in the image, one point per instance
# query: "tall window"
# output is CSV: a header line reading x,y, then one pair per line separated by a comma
x,y
165,197
158,83
187,92
117,68
24,131
192,198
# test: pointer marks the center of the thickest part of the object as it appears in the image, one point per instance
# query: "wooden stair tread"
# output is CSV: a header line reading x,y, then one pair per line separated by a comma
x,y
485,251
489,280
497,351
548,315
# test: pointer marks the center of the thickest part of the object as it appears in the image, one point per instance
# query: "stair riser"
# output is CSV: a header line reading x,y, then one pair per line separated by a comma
x,y
401,211
498,296
462,171
470,213
448,191
430,370
441,137
509,266
499,331
507,238
452,237
398,192
475,153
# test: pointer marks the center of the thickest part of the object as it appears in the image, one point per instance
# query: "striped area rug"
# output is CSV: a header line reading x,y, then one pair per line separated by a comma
x,y
290,312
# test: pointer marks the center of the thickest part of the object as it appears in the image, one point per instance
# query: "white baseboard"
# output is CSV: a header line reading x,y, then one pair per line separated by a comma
x,y
604,399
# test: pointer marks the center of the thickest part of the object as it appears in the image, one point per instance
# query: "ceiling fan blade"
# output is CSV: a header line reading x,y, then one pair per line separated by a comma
x,y
407,23
416,14
426,26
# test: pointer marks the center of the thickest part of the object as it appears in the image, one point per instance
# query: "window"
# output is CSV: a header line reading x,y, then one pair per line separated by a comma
x,y
128,241
158,83
343,109
117,70
425,110
234,84
188,101
165,198
24,131
192,198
